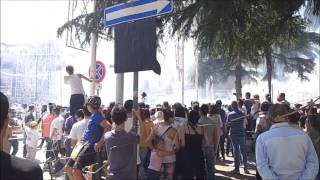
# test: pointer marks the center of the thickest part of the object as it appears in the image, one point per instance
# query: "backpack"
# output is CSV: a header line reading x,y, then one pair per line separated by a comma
x,y
158,139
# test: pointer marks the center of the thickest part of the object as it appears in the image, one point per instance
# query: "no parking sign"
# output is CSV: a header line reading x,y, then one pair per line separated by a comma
x,y
100,71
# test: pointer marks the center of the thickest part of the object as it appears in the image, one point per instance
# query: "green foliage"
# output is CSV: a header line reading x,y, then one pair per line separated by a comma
x,y
241,32
213,71
87,23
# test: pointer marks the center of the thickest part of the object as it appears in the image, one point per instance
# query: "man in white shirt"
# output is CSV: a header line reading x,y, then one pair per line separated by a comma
x,y
76,87
255,110
56,130
79,128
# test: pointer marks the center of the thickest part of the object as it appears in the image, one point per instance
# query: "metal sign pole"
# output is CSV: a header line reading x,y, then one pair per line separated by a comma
x,y
135,121
119,88
93,56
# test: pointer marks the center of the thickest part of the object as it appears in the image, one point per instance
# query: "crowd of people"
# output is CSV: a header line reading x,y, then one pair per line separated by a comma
x,y
175,141
169,141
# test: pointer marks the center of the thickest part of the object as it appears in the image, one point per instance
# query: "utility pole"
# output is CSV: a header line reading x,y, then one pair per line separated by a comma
x,y
94,39
135,120
179,47
119,88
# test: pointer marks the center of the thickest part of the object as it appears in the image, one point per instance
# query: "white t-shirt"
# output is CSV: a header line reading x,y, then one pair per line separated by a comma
x,y
32,137
57,123
243,109
262,121
255,108
76,86
78,129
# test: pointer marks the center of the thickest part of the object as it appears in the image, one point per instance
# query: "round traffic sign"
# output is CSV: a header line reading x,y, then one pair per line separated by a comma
x,y
100,71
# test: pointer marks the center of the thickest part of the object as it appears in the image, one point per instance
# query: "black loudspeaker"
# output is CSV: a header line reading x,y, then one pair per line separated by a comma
x,y
136,47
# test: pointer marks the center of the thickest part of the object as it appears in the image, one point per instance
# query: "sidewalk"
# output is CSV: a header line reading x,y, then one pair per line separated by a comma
x,y
223,168
40,157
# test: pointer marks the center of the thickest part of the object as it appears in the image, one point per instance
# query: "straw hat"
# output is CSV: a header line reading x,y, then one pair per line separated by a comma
x,y
33,124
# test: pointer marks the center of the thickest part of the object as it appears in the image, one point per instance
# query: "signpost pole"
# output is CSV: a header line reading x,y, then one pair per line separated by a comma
x,y
182,70
93,56
119,88
135,121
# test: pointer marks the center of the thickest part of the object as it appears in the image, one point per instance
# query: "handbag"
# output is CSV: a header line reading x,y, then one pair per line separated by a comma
x,y
77,149
158,139
79,146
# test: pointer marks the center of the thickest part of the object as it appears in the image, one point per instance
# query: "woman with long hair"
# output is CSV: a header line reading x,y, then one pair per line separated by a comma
x,y
192,142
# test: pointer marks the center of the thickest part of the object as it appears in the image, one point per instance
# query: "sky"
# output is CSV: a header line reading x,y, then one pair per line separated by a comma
x,y
33,22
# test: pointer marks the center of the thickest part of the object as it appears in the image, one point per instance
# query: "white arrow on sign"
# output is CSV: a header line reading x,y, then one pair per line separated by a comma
x,y
156,5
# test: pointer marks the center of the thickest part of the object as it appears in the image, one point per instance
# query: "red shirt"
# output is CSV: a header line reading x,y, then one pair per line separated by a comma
x,y
46,123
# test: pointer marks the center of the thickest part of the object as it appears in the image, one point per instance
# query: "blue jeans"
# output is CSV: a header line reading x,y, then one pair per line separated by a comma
x,y
143,156
209,154
229,146
153,175
238,146
67,144
15,146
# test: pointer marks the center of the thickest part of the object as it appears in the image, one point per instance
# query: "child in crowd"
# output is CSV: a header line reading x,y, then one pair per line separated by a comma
x,y
32,139
156,156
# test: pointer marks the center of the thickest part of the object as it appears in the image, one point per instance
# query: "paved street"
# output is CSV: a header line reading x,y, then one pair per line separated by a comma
x,y
40,158
223,168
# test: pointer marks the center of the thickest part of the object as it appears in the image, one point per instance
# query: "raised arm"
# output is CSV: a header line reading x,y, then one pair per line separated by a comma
x,y
66,79
140,123
84,77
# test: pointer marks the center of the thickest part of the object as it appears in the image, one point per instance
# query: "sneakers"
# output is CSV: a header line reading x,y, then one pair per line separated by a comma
x,y
236,172
246,171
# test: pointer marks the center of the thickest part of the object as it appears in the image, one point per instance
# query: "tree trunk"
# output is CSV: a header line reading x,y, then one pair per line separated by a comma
x,y
238,82
269,68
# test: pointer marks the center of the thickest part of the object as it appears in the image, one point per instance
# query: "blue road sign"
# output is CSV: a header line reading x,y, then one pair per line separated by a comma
x,y
136,10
